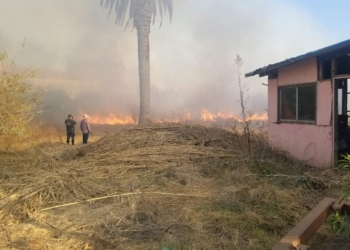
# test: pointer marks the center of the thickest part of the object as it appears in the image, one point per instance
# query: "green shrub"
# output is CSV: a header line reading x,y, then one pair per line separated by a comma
x,y
344,163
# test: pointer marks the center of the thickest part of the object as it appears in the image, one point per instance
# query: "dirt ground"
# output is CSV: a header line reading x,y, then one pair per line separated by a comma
x,y
165,186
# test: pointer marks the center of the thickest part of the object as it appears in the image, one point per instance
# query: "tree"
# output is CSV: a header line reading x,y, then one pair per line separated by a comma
x,y
141,13
245,116
18,103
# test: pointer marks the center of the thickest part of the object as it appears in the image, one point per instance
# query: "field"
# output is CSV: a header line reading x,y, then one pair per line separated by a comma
x,y
165,186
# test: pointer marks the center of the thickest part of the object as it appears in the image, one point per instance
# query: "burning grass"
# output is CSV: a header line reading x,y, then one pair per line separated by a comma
x,y
180,186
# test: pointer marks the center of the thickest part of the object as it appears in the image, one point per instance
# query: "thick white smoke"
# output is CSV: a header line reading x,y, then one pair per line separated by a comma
x,y
90,64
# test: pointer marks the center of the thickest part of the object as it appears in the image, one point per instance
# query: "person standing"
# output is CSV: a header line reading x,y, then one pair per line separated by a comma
x,y
85,128
70,128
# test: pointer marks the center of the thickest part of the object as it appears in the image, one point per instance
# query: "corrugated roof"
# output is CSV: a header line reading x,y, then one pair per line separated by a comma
x,y
265,70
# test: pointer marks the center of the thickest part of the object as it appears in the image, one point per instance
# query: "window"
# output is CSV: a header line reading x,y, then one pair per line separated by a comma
x,y
298,103
326,69
340,101
343,65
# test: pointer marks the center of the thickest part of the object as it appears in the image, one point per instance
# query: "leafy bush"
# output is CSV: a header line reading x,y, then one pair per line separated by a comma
x,y
345,162
341,223
19,100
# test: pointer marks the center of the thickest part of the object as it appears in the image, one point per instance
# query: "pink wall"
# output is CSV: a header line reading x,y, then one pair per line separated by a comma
x,y
312,143
309,143
324,103
301,72
272,99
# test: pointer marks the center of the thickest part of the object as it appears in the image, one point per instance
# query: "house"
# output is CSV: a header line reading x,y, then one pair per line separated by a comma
x,y
308,104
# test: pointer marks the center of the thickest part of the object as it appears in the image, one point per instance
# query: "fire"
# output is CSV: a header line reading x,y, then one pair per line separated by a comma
x,y
205,116
256,117
185,118
208,116
112,120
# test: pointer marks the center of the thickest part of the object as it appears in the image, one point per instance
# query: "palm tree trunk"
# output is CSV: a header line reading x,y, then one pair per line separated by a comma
x,y
143,26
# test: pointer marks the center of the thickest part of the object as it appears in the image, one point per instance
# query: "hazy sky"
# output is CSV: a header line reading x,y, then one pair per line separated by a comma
x,y
81,53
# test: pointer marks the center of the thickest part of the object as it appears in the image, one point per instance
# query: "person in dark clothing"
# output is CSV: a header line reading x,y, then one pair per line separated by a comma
x,y
85,128
70,123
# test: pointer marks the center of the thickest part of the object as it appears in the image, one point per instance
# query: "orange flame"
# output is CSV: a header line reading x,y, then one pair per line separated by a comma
x,y
185,118
256,117
112,120
205,116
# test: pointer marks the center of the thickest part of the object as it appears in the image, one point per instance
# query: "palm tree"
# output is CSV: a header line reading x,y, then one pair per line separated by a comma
x,y
141,13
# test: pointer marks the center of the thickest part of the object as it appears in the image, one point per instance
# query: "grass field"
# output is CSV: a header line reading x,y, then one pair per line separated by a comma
x,y
150,187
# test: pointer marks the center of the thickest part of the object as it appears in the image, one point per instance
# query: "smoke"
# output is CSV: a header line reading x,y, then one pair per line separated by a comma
x,y
87,64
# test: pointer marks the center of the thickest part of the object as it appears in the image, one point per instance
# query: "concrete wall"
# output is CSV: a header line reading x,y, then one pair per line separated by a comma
x,y
312,143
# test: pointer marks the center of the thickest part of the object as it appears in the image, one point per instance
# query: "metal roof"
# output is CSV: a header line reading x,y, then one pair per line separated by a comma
x,y
265,70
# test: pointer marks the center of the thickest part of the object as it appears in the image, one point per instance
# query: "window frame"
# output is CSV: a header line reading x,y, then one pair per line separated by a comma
x,y
296,86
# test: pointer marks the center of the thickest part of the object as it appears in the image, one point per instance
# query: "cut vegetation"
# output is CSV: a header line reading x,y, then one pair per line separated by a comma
x,y
166,185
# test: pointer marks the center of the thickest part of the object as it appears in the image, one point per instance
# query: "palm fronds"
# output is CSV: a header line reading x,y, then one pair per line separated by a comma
x,y
121,7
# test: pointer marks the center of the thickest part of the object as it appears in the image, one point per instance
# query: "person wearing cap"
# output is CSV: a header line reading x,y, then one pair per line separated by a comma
x,y
70,128
85,128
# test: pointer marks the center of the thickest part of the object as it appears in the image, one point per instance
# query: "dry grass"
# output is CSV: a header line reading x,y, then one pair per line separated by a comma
x,y
47,135
181,186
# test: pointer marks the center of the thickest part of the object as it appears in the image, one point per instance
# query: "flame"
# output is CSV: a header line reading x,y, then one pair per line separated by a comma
x,y
112,120
185,118
205,116
208,116
256,117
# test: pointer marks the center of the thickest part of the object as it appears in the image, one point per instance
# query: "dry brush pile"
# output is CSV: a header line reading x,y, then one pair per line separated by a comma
x,y
179,186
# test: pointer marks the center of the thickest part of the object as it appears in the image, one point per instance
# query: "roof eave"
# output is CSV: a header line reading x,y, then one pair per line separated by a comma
x,y
267,69
259,72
